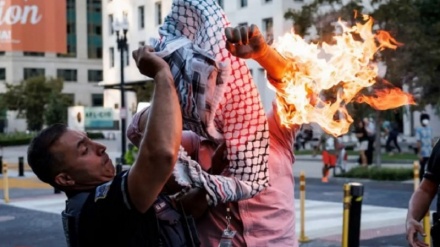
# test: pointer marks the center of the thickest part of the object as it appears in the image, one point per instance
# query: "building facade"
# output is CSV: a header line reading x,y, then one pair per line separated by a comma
x,y
81,67
146,16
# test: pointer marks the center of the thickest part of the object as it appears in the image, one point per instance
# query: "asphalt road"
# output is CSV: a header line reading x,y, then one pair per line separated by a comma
x,y
28,228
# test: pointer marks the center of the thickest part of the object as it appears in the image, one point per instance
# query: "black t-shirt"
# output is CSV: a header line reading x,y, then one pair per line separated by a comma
x,y
433,170
108,218
364,133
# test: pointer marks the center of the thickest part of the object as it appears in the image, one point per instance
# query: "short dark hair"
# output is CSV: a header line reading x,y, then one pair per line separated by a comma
x,y
424,116
40,158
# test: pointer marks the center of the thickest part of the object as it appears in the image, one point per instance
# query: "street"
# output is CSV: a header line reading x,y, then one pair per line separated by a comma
x,y
31,218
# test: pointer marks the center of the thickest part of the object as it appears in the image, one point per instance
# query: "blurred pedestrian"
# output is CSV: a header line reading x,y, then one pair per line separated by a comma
x,y
424,142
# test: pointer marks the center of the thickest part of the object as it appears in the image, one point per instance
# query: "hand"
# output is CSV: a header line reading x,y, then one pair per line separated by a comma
x,y
246,42
413,228
219,161
148,63
194,202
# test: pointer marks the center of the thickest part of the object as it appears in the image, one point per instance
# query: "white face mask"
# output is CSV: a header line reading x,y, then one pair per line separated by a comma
x,y
425,121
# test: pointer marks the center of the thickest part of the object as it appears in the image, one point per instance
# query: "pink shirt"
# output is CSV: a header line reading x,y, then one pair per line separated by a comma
x,y
268,219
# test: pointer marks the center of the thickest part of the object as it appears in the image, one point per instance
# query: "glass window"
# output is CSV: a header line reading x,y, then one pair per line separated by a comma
x,y
110,24
94,29
243,24
97,99
268,29
71,29
2,74
142,43
68,75
243,3
94,75
141,17
32,72
221,3
112,57
158,9
33,54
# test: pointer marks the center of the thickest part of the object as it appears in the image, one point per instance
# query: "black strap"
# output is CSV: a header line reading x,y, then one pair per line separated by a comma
x,y
186,227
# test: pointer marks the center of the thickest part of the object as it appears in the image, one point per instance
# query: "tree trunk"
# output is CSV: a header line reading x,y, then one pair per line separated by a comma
x,y
377,143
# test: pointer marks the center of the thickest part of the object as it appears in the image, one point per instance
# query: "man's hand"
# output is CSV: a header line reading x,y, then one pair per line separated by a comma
x,y
148,63
246,42
413,228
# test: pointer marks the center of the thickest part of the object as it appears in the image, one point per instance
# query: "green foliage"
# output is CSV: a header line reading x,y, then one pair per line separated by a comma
x,y
379,173
56,109
15,139
130,155
31,97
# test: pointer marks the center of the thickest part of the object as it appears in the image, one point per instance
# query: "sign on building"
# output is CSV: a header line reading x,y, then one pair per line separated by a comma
x,y
98,118
92,118
33,25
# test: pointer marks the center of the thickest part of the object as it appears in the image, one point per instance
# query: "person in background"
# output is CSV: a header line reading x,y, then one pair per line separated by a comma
x,y
362,136
370,128
392,132
424,142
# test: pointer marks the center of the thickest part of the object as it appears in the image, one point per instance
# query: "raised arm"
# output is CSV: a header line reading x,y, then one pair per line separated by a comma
x,y
248,42
159,146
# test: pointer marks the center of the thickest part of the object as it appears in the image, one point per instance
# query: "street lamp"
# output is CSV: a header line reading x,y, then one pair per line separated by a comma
x,y
121,29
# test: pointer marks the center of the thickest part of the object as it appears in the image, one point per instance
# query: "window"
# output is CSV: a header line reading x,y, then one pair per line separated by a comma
x,y
268,29
33,54
32,72
68,75
112,57
97,99
71,29
141,17
267,1
2,53
94,75
243,3
2,74
243,24
221,3
127,55
158,10
142,43
251,71
94,29
110,24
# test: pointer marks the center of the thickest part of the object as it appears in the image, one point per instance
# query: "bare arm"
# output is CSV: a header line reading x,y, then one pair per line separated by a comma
x,y
418,206
160,143
421,199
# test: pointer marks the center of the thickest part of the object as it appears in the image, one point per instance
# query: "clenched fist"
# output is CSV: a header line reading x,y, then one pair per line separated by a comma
x,y
148,63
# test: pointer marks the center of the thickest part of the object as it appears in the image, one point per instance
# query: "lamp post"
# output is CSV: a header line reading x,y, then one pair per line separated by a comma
x,y
121,29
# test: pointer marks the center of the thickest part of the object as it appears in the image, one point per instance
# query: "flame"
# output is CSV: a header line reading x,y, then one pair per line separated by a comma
x,y
323,79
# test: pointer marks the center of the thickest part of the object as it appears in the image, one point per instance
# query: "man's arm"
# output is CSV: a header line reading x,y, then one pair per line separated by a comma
x,y
418,206
160,143
248,42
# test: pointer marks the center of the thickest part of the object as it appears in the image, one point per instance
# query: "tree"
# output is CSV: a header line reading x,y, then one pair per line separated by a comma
x,y
30,98
56,109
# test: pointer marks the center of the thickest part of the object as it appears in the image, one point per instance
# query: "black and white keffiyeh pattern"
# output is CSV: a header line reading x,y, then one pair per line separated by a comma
x,y
230,110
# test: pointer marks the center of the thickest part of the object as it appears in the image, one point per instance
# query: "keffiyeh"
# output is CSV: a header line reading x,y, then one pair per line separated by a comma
x,y
230,110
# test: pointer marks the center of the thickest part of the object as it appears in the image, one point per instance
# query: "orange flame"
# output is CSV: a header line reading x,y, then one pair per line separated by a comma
x,y
324,79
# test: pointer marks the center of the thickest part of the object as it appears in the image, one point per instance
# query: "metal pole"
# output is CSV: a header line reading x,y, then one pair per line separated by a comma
x,y
302,188
21,166
5,183
346,214
122,45
1,164
354,220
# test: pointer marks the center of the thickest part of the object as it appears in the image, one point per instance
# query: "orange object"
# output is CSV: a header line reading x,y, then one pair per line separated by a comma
x,y
328,158
33,26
